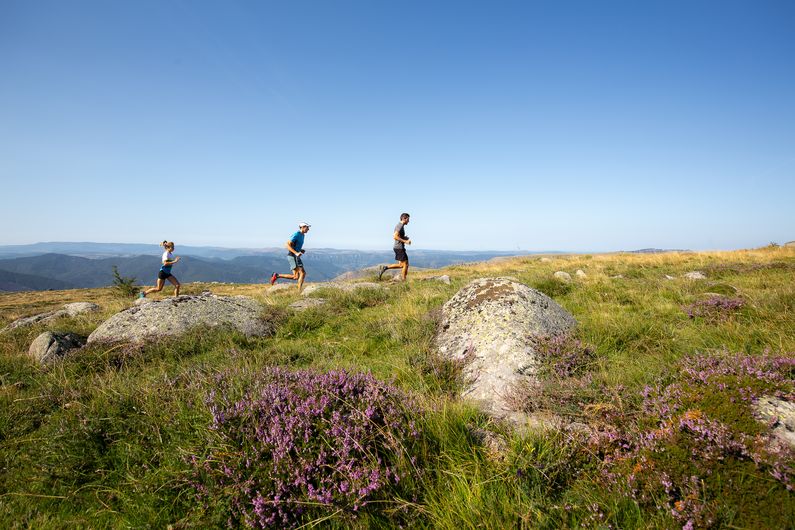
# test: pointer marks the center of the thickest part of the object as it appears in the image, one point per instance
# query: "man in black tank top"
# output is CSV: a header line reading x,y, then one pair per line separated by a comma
x,y
400,241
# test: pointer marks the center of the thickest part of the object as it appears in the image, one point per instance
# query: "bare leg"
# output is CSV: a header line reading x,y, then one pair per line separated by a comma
x,y
176,284
155,289
301,275
405,266
293,276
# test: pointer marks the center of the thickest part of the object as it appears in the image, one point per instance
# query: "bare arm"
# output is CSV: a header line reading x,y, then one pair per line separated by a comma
x,y
398,238
170,261
289,246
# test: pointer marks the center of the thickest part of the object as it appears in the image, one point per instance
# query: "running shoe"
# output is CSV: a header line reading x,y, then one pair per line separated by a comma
x,y
142,295
381,271
274,277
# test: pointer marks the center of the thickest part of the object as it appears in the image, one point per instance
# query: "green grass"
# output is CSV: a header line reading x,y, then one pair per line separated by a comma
x,y
102,439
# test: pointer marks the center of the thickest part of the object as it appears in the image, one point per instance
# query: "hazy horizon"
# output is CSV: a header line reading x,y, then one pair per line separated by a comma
x,y
155,247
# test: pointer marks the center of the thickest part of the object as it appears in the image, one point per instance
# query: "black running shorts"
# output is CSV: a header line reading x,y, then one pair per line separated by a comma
x,y
163,275
400,254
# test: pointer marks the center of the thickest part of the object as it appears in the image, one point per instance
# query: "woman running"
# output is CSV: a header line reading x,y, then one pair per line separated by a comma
x,y
165,271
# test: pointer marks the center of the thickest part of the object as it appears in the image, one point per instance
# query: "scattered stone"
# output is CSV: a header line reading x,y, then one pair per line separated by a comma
x,y
369,272
80,308
618,277
52,345
580,274
669,277
444,279
545,260
175,316
695,275
491,324
779,415
307,303
494,445
69,310
342,286
563,276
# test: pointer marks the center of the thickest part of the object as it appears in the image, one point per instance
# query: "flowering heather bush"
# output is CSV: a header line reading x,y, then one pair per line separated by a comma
x,y
564,384
303,444
700,442
563,356
714,308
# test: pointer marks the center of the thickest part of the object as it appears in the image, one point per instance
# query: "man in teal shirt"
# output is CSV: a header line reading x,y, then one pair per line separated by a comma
x,y
295,249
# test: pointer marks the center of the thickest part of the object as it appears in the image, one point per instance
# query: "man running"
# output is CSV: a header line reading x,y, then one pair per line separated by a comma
x,y
295,249
401,240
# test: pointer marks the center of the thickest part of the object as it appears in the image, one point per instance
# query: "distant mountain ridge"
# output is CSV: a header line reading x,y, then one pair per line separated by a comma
x,y
91,264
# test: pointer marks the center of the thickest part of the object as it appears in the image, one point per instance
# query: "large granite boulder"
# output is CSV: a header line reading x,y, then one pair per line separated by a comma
x,y
175,316
69,310
52,345
491,323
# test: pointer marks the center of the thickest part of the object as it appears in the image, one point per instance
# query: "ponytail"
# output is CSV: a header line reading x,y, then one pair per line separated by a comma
x,y
164,243
167,244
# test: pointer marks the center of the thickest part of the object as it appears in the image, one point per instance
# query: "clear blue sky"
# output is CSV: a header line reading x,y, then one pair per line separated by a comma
x,y
572,125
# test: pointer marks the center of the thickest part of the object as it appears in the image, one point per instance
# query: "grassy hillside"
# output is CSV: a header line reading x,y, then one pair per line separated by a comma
x,y
657,383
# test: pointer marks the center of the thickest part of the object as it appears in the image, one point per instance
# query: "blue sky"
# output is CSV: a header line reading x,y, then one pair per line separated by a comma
x,y
571,125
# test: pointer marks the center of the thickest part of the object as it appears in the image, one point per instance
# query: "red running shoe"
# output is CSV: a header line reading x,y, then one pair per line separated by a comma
x,y
274,277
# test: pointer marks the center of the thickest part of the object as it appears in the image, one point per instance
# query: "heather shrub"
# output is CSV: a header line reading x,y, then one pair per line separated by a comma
x,y
715,308
562,356
295,446
563,382
698,447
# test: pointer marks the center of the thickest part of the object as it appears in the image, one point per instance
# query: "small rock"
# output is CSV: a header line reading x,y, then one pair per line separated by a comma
x,y
695,275
52,345
69,310
563,276
779,415
307,303
580,274
545,260
495,446
348,287
669,277
444,279
79,308
618,277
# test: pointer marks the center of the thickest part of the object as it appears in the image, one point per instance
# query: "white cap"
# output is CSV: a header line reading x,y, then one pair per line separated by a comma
x,y
303,224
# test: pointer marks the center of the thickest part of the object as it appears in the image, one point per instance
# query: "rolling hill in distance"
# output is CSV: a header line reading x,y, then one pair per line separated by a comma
x,y
72,265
